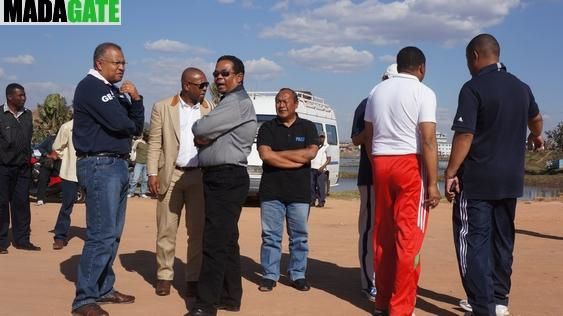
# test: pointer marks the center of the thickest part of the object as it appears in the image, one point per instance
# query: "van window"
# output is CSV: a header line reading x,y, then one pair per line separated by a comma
x,y
260,119
319,127
331,134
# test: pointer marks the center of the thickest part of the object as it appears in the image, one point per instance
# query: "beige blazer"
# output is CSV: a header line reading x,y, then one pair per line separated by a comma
x,y
164,138
65,150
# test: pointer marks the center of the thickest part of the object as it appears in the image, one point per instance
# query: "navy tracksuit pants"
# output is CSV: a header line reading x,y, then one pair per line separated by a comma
x,y
484,242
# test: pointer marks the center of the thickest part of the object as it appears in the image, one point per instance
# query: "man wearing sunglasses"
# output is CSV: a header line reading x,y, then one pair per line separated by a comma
x,y
176,181
105,120
225,137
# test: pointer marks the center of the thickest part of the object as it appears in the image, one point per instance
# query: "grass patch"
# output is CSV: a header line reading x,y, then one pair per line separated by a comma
x,y
347,175
545,180
346,195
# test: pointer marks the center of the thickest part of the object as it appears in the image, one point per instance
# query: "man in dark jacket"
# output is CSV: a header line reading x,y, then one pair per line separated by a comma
x,y
16,129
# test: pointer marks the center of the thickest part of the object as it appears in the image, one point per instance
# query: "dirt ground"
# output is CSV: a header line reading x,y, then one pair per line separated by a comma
x,y
42,283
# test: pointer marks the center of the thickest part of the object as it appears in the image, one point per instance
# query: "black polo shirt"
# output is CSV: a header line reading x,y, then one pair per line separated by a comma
x,y
495,107
286,185
358,125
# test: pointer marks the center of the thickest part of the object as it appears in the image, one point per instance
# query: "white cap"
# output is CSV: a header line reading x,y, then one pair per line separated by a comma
x,y
390,71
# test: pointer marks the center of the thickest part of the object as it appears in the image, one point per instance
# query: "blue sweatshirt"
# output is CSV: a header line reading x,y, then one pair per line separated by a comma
x,y
104,118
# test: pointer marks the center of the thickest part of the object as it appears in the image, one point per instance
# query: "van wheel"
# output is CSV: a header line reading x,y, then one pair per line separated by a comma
x,y
80,196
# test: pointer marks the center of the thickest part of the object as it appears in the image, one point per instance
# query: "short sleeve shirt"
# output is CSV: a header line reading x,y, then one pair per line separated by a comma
x,y
358,125
495,107
286,185
396,107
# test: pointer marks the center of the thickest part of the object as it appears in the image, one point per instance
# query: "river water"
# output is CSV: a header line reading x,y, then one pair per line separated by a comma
x,y
350,166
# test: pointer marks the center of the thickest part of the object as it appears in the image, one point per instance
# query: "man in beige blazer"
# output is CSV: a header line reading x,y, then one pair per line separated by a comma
x,y
63,149
176,179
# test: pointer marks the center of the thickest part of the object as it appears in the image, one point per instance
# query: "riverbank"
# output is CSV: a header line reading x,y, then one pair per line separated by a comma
x,y
536,173
42,283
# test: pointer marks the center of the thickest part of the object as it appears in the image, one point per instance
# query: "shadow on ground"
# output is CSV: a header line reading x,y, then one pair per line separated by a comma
x,y
428,307
143,262
342,282
69,268
536,234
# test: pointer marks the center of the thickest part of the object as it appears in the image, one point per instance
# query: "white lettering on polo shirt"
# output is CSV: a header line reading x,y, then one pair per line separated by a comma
x,y
108,97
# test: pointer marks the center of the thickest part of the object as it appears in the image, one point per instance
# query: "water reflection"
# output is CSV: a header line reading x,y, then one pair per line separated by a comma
x,y
350,166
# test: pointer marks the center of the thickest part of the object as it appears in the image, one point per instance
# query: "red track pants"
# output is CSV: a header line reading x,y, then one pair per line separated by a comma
x,y
400,224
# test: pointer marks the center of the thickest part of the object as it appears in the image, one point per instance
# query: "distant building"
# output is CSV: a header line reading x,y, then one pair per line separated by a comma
x,y
444,147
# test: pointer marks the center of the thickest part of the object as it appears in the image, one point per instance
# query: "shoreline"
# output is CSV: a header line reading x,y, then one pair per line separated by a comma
x,y
552,181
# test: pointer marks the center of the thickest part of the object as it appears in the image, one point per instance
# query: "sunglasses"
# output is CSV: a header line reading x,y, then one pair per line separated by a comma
x,y
115,63
201,86
223,73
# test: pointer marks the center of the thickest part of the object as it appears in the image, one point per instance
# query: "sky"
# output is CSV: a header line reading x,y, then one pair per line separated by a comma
x,y
337,49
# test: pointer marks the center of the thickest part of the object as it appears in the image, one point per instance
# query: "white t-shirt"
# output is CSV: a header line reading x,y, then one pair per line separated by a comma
x,y
395,107
321,157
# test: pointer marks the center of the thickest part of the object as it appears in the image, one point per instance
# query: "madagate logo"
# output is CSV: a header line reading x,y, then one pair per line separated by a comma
x,y
60,12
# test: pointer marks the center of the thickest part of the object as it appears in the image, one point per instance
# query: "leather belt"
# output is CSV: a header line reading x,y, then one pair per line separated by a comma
x,y
104,154
221,168
185,169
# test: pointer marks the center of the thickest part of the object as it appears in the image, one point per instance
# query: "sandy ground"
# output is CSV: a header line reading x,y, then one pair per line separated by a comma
x,y
42,283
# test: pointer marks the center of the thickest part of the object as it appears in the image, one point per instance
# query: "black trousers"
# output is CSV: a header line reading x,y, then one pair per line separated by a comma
x,y
225,188
484,242
48,168
14,201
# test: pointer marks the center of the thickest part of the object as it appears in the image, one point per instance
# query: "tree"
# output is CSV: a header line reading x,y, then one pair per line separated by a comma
x,y
215,95
52,114
555,137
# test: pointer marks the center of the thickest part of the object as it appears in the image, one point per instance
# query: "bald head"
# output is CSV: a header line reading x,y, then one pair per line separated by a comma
x,y
482,50
194,86
486,45
189,73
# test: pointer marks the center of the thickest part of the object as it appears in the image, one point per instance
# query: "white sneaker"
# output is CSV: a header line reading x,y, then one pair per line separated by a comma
x,y
144,196
502,310
130,195
370,293
40,202
464,304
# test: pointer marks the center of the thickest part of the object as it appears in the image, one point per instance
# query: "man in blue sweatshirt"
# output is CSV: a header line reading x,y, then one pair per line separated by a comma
x,y
104,122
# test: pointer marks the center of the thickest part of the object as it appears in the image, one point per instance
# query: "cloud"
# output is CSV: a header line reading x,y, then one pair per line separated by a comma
x,y
37,91
171,46
333,59
245,3
341,22
283,5
20,59
2,73
158,78
388,59
262,69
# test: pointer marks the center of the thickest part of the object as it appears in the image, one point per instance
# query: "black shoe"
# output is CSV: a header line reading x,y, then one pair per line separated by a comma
x,y
200,312
321,204
3,251
301,285
29,246
312,204
378,312
227,307
266,285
